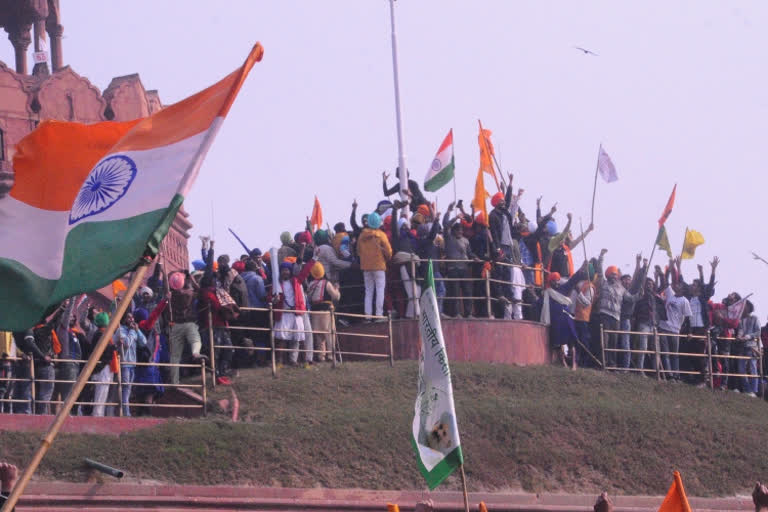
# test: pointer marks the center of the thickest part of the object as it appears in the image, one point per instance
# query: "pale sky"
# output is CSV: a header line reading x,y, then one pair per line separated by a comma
x,y
677,95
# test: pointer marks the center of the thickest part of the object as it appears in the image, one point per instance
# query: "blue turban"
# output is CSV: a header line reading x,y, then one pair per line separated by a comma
x,y
198,265
140,314
551,228
374,220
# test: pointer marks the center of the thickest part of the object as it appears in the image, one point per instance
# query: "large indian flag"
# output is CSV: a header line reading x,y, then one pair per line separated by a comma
x,y
441,170
89,201
435,431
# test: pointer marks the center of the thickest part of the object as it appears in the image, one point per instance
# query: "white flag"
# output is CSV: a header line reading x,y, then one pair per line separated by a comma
x,y
435,431
606,167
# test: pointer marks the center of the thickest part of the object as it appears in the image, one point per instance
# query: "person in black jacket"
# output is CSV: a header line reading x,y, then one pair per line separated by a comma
x,y
416,196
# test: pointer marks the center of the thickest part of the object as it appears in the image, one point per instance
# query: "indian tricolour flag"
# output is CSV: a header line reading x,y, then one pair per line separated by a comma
x,y
435,431
90,201
441,170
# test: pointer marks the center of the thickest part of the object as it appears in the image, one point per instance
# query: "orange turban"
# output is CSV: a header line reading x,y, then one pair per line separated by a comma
x,y
423,209
496,199
480,219
613,269
554,277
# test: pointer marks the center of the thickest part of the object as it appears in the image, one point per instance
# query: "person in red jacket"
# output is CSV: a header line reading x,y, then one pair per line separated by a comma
x,y
220,315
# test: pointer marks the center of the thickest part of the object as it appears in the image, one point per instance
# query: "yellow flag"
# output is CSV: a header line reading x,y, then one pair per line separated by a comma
x,y
676,500
693,239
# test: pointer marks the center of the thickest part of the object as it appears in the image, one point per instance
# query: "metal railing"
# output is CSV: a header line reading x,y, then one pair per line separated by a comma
x,y
332,344
658,367
487,296
116,382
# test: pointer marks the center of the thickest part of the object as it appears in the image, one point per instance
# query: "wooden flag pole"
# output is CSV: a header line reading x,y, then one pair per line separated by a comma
x,y
594,189
464,488
584,244
77,388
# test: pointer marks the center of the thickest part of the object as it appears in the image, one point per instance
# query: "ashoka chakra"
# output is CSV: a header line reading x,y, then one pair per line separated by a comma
x,y
105,185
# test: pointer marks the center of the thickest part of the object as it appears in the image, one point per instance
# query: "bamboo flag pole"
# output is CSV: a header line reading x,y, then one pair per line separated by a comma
x,y
77,388
464,488
594,189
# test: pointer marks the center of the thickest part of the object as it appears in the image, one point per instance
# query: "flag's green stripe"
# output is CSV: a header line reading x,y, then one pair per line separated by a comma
x,y
95,254
440,179
443,470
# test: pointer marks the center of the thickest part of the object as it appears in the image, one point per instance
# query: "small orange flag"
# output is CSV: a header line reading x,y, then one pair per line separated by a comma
x,y
392,508
481,195
486,153
676,500
481,507
316,220
668,208
117,287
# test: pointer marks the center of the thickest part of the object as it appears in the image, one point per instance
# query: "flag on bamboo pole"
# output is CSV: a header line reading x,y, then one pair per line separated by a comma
x,y
481,195
606,167
676,500
91,200
668,208
662,240
442,168
435,431
487,153
117,287
692,240
316,219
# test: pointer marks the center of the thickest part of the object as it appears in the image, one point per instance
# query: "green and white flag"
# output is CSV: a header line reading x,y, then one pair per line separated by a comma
x,y
441,170
435,432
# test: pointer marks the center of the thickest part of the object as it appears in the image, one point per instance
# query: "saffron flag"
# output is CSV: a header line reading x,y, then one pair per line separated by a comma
x,y
676,500
668,208
316,219
89,201
487,153
662,240
117,287
442,168
692,240
606,167
435,431
481,195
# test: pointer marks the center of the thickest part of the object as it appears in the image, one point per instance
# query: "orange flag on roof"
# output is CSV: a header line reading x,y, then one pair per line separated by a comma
x,y
316,220
676,500
668,208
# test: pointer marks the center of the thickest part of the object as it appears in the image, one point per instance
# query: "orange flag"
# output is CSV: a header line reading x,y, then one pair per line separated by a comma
x,y
668,208
481,195
117,287
316,220
676,500
486,153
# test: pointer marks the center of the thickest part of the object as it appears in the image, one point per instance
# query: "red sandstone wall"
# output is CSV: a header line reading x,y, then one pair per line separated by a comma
x,y
495,341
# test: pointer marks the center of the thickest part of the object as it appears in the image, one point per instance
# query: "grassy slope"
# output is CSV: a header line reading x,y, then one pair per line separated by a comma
x,y
539,429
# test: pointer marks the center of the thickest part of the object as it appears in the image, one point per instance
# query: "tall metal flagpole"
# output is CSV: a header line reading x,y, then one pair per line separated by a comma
x,y
402,172
594,190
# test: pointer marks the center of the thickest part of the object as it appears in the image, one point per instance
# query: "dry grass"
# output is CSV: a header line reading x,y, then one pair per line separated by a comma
x,y
536,429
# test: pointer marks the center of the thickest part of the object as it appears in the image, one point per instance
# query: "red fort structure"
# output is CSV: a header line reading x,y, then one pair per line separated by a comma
x,y
54,90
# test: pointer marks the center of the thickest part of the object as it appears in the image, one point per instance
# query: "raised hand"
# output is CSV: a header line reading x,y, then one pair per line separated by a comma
x,y
714,263
354,204
603,252
384,175
538,201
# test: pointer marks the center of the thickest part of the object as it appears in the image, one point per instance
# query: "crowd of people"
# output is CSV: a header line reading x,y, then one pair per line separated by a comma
x,y
504,264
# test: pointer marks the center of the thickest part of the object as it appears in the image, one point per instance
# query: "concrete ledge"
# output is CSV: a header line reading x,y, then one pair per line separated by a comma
x,y
77,424
108,497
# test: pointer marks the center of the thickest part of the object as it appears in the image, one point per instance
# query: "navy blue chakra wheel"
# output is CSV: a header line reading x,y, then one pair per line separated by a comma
x,y
106,184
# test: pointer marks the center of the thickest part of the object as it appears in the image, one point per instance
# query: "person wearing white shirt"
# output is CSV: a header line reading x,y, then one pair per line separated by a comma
x,y
677,308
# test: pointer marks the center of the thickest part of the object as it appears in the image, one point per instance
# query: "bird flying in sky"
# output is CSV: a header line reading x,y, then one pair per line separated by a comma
x,y
586,52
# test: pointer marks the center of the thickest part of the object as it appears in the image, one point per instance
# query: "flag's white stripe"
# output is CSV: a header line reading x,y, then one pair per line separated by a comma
x,y
445,157
159,172
33,237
